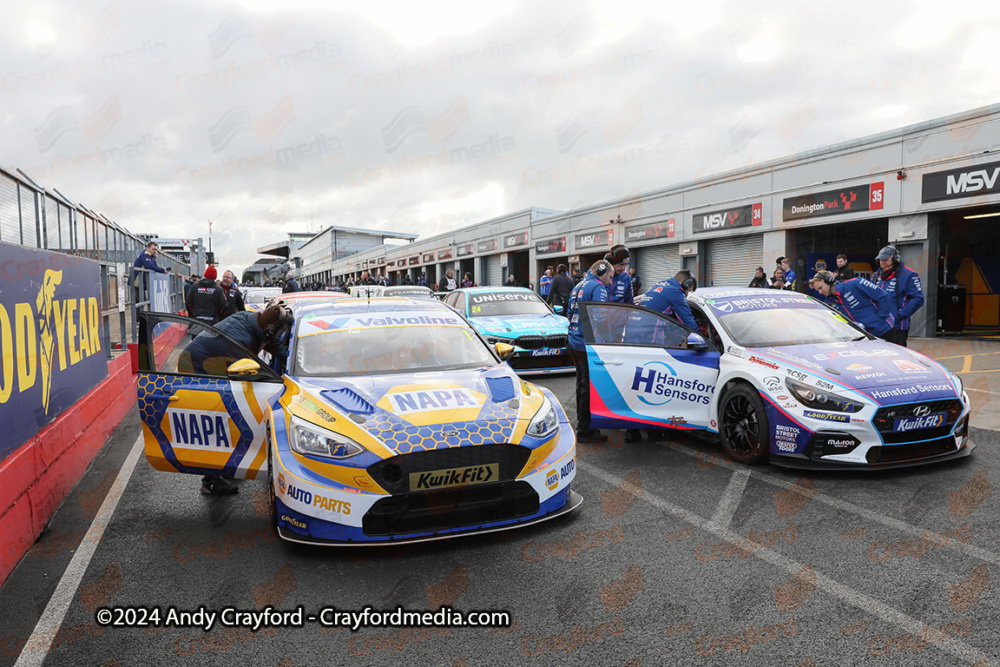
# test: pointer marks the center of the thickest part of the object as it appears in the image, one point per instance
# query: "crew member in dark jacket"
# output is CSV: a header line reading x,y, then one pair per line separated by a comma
x,y
290,284
844,270
562,285
206,301
759,279
234,300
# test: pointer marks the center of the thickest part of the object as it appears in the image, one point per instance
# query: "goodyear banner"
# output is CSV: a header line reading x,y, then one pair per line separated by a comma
x,y
49,338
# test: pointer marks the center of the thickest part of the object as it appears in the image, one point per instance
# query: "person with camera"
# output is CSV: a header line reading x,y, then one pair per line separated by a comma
x,y
859,300
595,286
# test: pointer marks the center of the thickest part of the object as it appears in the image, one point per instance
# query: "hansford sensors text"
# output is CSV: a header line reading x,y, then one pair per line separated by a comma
x,y
269,617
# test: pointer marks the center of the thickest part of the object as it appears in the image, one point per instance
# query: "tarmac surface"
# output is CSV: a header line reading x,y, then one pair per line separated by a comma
x,y
677,556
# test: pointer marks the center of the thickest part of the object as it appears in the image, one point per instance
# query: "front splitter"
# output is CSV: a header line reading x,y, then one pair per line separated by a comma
x,y
573,502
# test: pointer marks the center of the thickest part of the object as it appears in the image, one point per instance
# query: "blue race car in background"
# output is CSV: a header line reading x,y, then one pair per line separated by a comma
x,y
518,317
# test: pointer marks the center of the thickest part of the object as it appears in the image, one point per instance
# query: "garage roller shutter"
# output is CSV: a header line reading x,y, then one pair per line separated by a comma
x,y
655,264
732,261
494,274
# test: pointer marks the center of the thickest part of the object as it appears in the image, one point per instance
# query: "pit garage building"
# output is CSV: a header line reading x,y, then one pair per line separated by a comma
x,y
933,189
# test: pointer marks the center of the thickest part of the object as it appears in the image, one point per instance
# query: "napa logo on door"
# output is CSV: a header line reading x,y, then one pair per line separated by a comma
x,y
206,430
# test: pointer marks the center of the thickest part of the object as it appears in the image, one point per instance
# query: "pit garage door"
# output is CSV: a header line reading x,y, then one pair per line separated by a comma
x,y
655,264
732,261
494,273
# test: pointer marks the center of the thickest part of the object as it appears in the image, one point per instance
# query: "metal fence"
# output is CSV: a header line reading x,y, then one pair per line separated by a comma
x,y
36,217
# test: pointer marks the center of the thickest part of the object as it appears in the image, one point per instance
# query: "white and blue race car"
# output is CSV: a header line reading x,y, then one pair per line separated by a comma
x,y
779,376
393,421
517,316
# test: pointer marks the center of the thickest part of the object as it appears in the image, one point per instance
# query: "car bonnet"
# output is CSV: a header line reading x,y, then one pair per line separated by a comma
x,y
888,373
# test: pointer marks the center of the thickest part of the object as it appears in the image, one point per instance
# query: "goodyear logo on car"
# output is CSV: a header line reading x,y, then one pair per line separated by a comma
x,y
450,477
826,416
199,429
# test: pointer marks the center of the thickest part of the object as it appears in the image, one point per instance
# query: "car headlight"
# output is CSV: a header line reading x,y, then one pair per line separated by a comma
x,y
545,420
312,440
824,400
958,381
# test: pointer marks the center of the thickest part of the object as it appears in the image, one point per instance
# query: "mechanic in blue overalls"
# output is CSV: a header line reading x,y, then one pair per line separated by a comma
x,y
670,298
595,286
859,300
902,284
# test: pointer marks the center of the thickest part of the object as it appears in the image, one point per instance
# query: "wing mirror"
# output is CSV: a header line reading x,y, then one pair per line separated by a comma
x,y
560,310
504,350
696,342
243,368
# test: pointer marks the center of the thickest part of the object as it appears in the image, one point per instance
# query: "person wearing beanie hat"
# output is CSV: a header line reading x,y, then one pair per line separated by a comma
x,y
205,300
209,354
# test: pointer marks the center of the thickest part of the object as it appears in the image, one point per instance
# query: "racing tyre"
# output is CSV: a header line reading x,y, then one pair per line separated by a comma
x,y
743,425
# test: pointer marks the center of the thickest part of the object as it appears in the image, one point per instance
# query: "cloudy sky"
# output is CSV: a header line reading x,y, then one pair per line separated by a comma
x,y
423,116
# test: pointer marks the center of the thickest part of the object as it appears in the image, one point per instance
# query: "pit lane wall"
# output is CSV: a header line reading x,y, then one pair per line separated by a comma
x,y
60,395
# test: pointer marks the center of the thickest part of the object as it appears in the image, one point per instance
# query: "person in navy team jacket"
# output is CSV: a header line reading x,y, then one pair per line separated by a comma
x,y
596,286
902,284
859,300
147,260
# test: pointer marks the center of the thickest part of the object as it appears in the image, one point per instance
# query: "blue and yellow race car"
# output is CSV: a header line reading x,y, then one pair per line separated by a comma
x,y
517,316
392,421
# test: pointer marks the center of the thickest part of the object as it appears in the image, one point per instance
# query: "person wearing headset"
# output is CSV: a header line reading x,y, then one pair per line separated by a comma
x,y
621,284
595,286
902,284
859,300
670,298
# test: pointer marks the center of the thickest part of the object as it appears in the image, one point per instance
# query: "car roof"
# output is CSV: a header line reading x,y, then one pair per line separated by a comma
x,y
478,290
704,293
374,305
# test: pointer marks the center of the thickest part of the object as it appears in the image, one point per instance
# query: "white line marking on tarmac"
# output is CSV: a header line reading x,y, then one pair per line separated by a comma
x,y
731,498
844,593
889,521
48,625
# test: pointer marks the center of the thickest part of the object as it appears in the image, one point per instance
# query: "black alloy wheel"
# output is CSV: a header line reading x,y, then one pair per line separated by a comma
x,y
744,428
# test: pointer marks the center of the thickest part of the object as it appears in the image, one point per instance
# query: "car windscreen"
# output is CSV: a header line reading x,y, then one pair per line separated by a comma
x,y
776,327
261,296
495,304
409,291
389,349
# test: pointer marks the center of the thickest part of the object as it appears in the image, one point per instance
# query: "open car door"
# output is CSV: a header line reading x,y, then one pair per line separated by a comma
x,y
647,370
201,399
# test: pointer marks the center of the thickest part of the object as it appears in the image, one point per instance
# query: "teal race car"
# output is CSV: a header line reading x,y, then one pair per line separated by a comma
x,y
518,317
